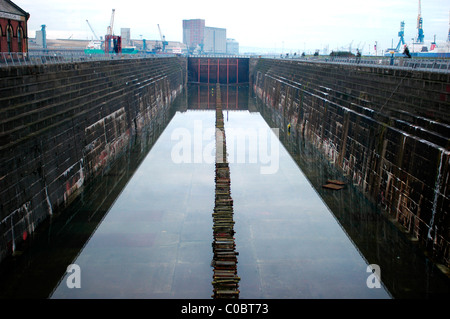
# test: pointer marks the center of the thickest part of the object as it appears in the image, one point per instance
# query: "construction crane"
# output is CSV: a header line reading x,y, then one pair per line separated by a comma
x,y
420,34
113,43
401,34
163,40
95,36
448,38
110,29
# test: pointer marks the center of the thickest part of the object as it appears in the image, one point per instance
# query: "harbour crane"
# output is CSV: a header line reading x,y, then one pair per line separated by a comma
x,y
420,34
163,40
95,36
401,34
113,43
110,28
448,38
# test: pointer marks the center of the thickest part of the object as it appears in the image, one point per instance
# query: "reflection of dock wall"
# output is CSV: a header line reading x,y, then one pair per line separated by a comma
x,y
64,124
386,129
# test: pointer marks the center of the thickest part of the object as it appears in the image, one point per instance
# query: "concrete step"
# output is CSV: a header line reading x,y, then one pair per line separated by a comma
x,y
26,108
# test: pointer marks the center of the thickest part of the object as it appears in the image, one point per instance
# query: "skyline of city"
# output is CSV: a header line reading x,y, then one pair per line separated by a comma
x,y
288,26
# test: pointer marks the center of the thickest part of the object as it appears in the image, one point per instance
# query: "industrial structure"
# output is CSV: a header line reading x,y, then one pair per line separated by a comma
x,y
420,35
13,28
113,43
418,47
164,43
401,35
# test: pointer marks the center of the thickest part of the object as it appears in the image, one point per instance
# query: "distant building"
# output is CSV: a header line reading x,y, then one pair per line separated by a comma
x,y
41,37
215,40
126,36
232,46
13,27
200,38
193,33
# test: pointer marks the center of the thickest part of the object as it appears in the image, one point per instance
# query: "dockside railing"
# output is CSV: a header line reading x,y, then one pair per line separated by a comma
x,y
422,64
8,59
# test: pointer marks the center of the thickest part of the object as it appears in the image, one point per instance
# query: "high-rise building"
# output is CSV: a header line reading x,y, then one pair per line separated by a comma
x,y
193,33
126,36
215,40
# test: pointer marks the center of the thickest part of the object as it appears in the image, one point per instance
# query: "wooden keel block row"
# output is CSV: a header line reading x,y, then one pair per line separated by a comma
x,y
225,280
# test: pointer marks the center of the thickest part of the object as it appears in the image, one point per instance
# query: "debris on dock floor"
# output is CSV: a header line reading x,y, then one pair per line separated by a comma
x,y
334,184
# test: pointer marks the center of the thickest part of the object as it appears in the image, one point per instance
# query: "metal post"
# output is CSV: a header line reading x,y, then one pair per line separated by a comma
x,y
228,67
237,100
218,67
208,71
237,70
198,70
227,95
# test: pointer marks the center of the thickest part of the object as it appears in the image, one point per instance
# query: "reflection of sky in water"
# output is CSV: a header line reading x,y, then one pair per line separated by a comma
x,y
289,244
155,242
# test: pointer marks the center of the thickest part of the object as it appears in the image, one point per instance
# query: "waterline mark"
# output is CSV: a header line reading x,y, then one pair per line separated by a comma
x,y
250,145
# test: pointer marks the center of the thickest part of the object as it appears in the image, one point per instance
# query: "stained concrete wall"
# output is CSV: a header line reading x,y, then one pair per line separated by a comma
x,y
62,125
386,129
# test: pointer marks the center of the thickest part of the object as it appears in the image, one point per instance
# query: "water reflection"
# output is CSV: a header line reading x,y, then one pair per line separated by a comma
x,y
203,97
144,229
289,243
59,240
155,241
406,272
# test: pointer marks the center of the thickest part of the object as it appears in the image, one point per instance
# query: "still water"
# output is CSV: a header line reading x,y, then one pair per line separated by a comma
x,y
145,229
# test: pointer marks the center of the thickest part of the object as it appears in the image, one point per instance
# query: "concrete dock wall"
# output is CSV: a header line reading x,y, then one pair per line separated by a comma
x,y
386,129
62,125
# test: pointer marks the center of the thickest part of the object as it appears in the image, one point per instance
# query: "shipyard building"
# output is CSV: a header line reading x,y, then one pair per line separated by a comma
x,y
13,28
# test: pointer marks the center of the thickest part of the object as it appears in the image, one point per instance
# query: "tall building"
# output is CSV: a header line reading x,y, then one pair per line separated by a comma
x,y
126,36
193,33
215,40
232,46
200,38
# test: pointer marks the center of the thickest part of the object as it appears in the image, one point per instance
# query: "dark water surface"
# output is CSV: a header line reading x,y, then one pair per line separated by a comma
x,y
144,230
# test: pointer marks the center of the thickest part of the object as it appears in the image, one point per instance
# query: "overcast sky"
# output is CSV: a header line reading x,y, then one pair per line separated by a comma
x,y
292,25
